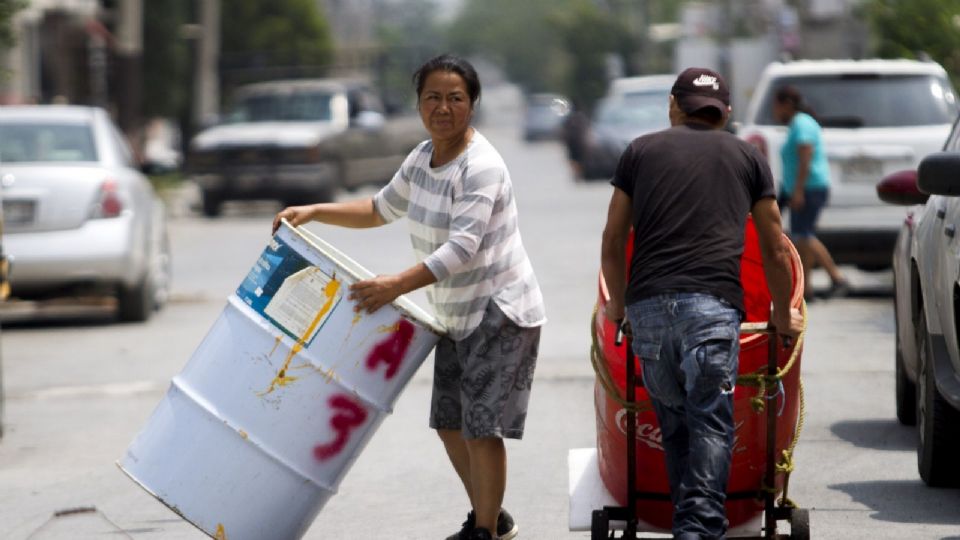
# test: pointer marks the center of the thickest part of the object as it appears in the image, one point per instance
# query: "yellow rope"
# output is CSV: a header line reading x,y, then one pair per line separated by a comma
x,y
605,378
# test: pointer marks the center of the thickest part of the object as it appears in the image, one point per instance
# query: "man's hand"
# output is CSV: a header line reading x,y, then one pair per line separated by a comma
x,y
789,324
296,215
372,294
614,311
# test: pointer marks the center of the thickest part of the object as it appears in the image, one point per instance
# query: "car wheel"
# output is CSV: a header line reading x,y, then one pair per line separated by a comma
x,y
135,304
906,392
211,204
938,431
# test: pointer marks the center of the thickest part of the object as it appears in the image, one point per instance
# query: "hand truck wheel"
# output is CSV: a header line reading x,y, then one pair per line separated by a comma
x,y
600,525
800,524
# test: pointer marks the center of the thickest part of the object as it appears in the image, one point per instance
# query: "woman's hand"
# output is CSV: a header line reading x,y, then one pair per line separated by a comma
x,y
372,294
797,201
296,215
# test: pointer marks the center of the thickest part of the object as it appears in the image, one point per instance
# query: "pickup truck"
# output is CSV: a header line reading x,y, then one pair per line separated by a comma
x,y
297,142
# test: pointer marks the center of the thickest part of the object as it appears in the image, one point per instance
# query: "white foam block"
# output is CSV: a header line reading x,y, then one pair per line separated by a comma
x,y
587,493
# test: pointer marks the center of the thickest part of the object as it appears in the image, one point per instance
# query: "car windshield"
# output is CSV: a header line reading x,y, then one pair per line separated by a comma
x,y
286,107
22,143
871,100
636,110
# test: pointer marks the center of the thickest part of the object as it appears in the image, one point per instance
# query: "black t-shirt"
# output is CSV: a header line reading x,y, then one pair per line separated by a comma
x,y
692,188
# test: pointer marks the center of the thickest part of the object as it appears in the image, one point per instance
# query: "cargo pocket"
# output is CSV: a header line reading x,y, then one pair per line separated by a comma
x,y
715,352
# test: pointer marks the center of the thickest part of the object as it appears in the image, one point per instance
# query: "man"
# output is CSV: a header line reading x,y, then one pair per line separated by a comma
x,y
687,192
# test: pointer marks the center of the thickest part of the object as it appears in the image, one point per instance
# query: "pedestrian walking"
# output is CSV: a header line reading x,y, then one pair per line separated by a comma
x,y
457,194
805,188
687,191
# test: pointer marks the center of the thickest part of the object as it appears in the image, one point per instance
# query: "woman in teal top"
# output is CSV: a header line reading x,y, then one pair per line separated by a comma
x,y
805,186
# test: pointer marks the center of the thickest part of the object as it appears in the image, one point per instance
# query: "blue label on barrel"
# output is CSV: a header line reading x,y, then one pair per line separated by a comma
x,y
286,289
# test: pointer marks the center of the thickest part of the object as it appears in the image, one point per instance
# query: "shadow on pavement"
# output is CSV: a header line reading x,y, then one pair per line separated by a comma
x,y
905,501
877,434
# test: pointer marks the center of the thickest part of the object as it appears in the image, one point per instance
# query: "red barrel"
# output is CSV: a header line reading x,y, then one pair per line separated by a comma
x,y
749,453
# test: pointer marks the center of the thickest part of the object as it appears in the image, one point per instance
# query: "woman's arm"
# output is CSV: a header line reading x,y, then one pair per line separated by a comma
x,y
357,214
372,294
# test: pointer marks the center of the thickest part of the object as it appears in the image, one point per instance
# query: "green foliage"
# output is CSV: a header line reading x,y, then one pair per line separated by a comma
x,y
515,35
906,28
546,45
276,33
166,57
8,8
407,36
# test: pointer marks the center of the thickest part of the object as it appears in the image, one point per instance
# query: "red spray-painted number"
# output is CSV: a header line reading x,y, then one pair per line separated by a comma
x,y
392,350
349,417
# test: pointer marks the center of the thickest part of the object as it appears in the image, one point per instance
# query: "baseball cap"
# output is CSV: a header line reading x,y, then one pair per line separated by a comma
x,y
697,88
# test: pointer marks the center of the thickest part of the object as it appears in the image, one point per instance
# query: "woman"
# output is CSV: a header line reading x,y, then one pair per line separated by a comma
x,y
457,194
806,186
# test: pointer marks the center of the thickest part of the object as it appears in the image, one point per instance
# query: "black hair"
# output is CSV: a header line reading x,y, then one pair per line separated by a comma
x,y
453,64
710,115
791,96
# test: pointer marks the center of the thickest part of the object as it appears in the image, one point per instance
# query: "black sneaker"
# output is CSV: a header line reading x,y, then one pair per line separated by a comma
x,y
506,528
480,534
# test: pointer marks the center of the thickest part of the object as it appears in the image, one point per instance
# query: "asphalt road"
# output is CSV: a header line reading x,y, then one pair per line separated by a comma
x,y
79,390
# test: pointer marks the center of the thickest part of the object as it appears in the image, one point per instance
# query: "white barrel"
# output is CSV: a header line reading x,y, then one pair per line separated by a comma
x,y
258,430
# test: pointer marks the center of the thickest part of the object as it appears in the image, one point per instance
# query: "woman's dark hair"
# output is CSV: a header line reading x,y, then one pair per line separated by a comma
x,y
453,64
790,95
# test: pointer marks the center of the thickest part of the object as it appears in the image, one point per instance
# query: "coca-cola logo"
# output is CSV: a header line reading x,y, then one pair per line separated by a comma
x,y
646,433
650,435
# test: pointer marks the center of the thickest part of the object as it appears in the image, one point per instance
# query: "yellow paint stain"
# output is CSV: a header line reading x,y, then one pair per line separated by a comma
x,y
282,379
243,434
356,318
389,328
275,345
221,533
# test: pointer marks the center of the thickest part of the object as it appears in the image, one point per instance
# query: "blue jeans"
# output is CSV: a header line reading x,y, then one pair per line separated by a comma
x,y
690,344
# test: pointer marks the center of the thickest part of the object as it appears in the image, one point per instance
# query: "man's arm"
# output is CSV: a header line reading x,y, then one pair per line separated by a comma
x,y
804,159
613,258
776,266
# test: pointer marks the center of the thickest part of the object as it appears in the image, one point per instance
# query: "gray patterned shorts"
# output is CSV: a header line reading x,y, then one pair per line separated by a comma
x,y
481,384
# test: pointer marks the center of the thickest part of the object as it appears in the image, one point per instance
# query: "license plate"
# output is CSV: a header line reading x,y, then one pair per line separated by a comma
x,y
862,170
18,212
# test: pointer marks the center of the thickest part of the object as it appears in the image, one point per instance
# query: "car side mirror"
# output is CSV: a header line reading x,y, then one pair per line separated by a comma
x,y
939,174
368,120
901,188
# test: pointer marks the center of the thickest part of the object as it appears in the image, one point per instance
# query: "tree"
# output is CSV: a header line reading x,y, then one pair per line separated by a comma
x,y
907,28
8,8
515,35
166,58
265,39
407,35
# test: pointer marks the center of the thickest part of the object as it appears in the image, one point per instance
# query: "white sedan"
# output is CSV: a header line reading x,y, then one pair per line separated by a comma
x,y
926,264
80,217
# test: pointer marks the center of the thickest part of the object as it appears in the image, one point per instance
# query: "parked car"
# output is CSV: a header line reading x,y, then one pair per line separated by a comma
x,y
878,117
80,217
297,141
544,116
927,309
633,107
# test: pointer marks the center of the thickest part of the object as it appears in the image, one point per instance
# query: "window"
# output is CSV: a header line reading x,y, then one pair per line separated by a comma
x,y
870,100
286,107
46,143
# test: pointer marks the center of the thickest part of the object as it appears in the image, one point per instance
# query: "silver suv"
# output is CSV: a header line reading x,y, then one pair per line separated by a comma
x,y
878,117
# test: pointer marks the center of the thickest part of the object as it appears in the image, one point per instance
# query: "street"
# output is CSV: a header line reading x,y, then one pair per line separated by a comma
x,y
78,391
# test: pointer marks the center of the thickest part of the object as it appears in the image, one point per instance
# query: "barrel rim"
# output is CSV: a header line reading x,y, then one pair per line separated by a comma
x,y
358,272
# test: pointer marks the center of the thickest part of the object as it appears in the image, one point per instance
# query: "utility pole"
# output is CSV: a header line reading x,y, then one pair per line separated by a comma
x,y
206,78
130,65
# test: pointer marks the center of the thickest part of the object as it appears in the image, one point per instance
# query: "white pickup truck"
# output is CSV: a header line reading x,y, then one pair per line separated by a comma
x,y
298,141
878,117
